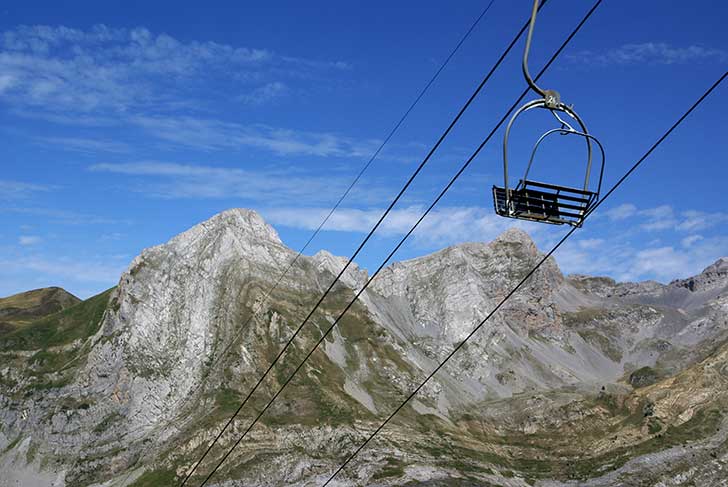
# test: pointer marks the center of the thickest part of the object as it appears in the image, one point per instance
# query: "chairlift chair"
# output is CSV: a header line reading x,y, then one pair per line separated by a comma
x,y
539,201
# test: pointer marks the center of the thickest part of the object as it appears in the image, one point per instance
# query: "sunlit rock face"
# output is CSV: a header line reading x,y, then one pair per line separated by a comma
x,y
194,322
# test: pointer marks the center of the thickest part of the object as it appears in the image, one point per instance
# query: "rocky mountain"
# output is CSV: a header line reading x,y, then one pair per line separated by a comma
x,y
577,380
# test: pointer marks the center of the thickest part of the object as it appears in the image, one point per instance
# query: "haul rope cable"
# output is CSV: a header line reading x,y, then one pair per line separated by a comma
x,y
530,273
381,219
462,40
462,169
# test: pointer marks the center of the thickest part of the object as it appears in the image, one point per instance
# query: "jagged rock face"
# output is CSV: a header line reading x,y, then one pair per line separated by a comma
x,y
178,304
451,290
712,277
190,327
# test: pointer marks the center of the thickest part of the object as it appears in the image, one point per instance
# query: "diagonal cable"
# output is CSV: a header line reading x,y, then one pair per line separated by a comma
x,y
364,168
363,243
445,190
530,273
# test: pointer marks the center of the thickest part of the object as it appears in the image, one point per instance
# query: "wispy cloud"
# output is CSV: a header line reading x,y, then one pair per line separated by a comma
x,y
651,243
621,212
95,271
665,217
650,53
27,240
690,240
64,217
444,226
136,79
628,261
56,69
623,255
208,134
89,146
265,94
259,187
18,189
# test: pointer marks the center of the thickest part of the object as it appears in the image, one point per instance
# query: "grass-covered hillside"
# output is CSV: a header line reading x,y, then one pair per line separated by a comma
x,y
20,309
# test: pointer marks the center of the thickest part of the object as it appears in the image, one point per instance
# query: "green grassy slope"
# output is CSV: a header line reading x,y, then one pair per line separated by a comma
x,y
20,309
78,321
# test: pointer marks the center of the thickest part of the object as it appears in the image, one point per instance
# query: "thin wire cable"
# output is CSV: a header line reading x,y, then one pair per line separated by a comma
x,y
376,153
366,239
363,243
530,273
401,242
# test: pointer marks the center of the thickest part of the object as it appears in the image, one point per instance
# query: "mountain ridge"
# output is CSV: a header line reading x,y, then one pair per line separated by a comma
x,y
24,307
187,332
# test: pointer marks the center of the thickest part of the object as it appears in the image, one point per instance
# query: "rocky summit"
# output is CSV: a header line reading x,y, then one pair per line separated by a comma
x,y
577,380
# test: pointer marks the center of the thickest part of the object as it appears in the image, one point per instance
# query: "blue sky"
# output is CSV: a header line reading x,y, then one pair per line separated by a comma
x,y
123,124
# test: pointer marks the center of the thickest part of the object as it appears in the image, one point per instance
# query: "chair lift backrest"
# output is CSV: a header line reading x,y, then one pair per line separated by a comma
x,y
570,131
542,103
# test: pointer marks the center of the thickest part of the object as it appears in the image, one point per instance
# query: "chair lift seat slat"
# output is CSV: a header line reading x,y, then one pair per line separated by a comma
x,y
529,197
555,187
542,206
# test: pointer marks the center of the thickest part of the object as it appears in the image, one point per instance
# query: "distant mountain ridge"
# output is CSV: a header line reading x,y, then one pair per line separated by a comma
x,y
576,381
25,307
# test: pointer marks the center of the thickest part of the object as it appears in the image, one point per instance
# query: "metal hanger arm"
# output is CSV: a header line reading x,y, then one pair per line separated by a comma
x,y
526,73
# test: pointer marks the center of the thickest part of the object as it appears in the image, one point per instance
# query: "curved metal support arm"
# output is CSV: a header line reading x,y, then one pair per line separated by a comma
x,y
570,131
570,112
528,106
542,103
552,97
563,122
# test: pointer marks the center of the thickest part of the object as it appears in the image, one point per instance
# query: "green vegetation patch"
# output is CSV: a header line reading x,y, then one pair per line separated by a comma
x,y
644,376
44,362
45,385
394,468
79,321
156,478
19,310
227,401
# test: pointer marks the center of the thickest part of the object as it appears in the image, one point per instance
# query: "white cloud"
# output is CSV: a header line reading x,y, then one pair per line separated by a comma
x,y
58,69
27,240
590,243
444,226
261,187
621,212
621,255
95,271
690,240
699,220
87,145
650,53
210,134
264,94
64,217
140,80
18,189
631,261
664,217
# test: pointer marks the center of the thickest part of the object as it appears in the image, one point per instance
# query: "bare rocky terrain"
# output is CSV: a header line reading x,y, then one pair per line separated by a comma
x,y
578,380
